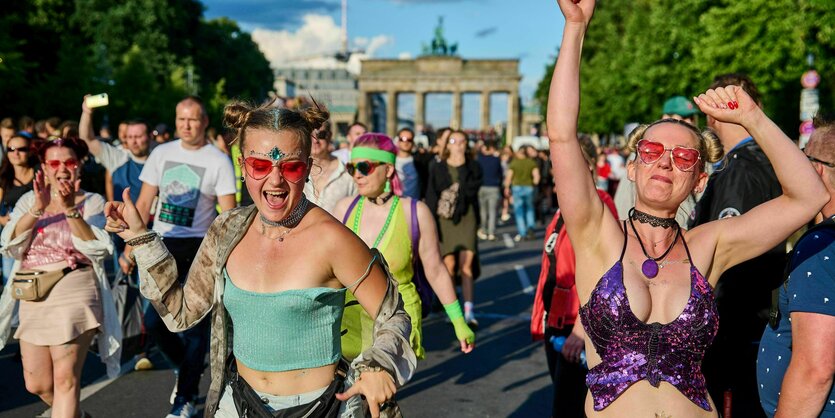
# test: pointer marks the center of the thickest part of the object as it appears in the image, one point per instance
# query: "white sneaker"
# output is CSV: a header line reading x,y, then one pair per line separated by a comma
x,y
471,321
517,238
173,396
182,409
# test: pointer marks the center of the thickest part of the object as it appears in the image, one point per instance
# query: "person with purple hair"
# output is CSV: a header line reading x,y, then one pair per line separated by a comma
x,y
383,218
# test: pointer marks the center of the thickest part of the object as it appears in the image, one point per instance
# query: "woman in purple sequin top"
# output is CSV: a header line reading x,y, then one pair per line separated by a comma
x,y
646,285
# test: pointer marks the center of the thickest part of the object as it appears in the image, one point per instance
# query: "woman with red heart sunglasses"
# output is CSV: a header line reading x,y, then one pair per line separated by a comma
x,y
56,230
273,276
647,308
404,231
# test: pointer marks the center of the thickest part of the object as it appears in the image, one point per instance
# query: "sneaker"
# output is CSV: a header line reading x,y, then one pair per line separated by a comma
x,y
173,396
505,217
143,364
481,235
471,321
491,237
182,408
517,238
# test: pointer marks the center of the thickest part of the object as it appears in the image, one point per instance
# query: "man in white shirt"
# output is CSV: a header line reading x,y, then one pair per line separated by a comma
x,y
354,132
190,176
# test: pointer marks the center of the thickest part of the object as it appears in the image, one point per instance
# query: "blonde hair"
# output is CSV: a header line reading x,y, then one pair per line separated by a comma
x,y
710,148
241,116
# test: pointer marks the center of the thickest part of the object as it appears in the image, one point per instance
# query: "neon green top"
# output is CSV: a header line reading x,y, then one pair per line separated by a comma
x,y
289,330
396,247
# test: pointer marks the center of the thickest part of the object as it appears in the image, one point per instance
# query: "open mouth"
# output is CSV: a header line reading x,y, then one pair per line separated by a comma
x,y
276,199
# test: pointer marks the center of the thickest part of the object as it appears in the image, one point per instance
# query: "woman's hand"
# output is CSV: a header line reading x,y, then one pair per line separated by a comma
x,y
42,192
123,218
65,192
577,11
729,104
377,388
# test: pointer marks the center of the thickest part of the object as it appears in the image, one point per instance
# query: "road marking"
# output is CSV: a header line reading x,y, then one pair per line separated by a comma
x,y
96,386
508,241
523,278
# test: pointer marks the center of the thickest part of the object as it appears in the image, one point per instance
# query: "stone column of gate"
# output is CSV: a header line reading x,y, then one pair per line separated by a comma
x,y
391,112
485,111
512,115
455,123
362,107
420,111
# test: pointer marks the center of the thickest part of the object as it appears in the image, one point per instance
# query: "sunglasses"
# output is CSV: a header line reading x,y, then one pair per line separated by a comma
x,y
18,149
292,171
363,167
406,139
70,163
682,157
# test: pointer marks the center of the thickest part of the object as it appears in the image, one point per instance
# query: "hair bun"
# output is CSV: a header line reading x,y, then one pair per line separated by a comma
x,y
236,114
315,116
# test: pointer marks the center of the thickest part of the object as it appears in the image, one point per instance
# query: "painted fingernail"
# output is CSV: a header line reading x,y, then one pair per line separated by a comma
x,y
736,104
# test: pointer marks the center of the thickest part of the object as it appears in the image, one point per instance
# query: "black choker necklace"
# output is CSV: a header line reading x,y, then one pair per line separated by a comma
x,y
381,199
292,219
646,218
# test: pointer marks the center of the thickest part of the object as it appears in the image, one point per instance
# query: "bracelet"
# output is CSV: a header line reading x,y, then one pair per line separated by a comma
x,y
37,214
142,239
362,368
73,214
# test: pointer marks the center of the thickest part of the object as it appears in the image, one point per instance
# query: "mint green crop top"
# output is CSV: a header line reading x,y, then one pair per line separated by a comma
x,y
288,330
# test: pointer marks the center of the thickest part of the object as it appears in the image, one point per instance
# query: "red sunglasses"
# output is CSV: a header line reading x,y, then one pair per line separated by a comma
x,y
292,171
682,157
70,163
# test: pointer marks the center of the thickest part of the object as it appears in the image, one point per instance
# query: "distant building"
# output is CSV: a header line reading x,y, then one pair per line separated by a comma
x,y
336,88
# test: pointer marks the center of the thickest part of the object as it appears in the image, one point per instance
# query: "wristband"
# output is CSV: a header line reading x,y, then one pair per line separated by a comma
x,y
453,310
142,239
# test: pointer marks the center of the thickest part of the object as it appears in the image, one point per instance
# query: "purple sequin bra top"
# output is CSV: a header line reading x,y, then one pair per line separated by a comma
x,y
632,350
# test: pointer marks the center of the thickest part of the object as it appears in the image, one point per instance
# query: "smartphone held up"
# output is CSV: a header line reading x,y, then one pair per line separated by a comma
x,y
97,100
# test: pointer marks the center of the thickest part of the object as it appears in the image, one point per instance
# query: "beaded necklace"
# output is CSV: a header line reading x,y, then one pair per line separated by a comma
x,y
390,215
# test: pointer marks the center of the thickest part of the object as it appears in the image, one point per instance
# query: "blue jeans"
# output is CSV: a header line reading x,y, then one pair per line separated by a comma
x,y
523,209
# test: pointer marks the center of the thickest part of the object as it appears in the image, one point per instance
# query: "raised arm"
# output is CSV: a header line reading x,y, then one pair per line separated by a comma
x,y
85,129
580,206
744,237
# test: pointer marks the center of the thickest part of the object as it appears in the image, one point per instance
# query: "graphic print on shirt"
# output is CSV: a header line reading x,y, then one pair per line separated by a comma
x,y
179,192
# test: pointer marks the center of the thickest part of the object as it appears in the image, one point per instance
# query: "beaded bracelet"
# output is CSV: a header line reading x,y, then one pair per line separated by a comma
x,y
37,214
142,239
361,368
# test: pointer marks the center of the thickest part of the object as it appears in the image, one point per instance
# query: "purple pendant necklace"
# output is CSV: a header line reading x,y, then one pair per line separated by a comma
x,y
650,266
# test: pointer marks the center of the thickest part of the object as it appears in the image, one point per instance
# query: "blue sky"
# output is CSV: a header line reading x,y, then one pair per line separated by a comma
x,y
525,29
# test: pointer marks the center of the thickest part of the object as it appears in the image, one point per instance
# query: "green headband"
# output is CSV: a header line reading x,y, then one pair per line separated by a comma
x,y
373,154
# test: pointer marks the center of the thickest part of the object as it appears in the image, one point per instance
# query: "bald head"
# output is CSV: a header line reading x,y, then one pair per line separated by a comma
x,y
821,147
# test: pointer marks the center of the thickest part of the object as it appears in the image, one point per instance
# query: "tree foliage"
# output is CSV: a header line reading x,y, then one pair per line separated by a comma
x,y
638,53
146,54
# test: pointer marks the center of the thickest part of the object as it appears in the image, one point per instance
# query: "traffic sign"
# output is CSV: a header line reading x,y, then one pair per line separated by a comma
x,y
810,79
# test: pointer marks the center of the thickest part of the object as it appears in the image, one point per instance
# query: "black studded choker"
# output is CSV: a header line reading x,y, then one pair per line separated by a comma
x,y
646,218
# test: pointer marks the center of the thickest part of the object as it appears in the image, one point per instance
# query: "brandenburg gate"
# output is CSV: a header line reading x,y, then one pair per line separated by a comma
x,y
440,74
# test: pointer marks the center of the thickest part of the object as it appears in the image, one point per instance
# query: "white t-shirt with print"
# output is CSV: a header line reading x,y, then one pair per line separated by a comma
x,y
189,183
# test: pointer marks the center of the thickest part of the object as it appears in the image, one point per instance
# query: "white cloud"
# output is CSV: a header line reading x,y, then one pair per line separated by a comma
x,y
313,44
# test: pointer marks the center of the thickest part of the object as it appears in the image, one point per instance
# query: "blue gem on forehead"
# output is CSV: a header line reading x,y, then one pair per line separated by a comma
x,y
275,154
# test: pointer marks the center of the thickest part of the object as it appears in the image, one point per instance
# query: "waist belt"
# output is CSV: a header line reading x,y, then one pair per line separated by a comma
x,y
250,405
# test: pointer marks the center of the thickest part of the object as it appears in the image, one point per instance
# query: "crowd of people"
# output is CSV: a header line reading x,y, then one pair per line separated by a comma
x,y
664,288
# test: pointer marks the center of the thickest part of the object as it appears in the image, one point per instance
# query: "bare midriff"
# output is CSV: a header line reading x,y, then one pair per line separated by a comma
x,y
644,400
291,382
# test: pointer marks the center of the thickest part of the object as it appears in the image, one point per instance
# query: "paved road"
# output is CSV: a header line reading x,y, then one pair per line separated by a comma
x,y
506,375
